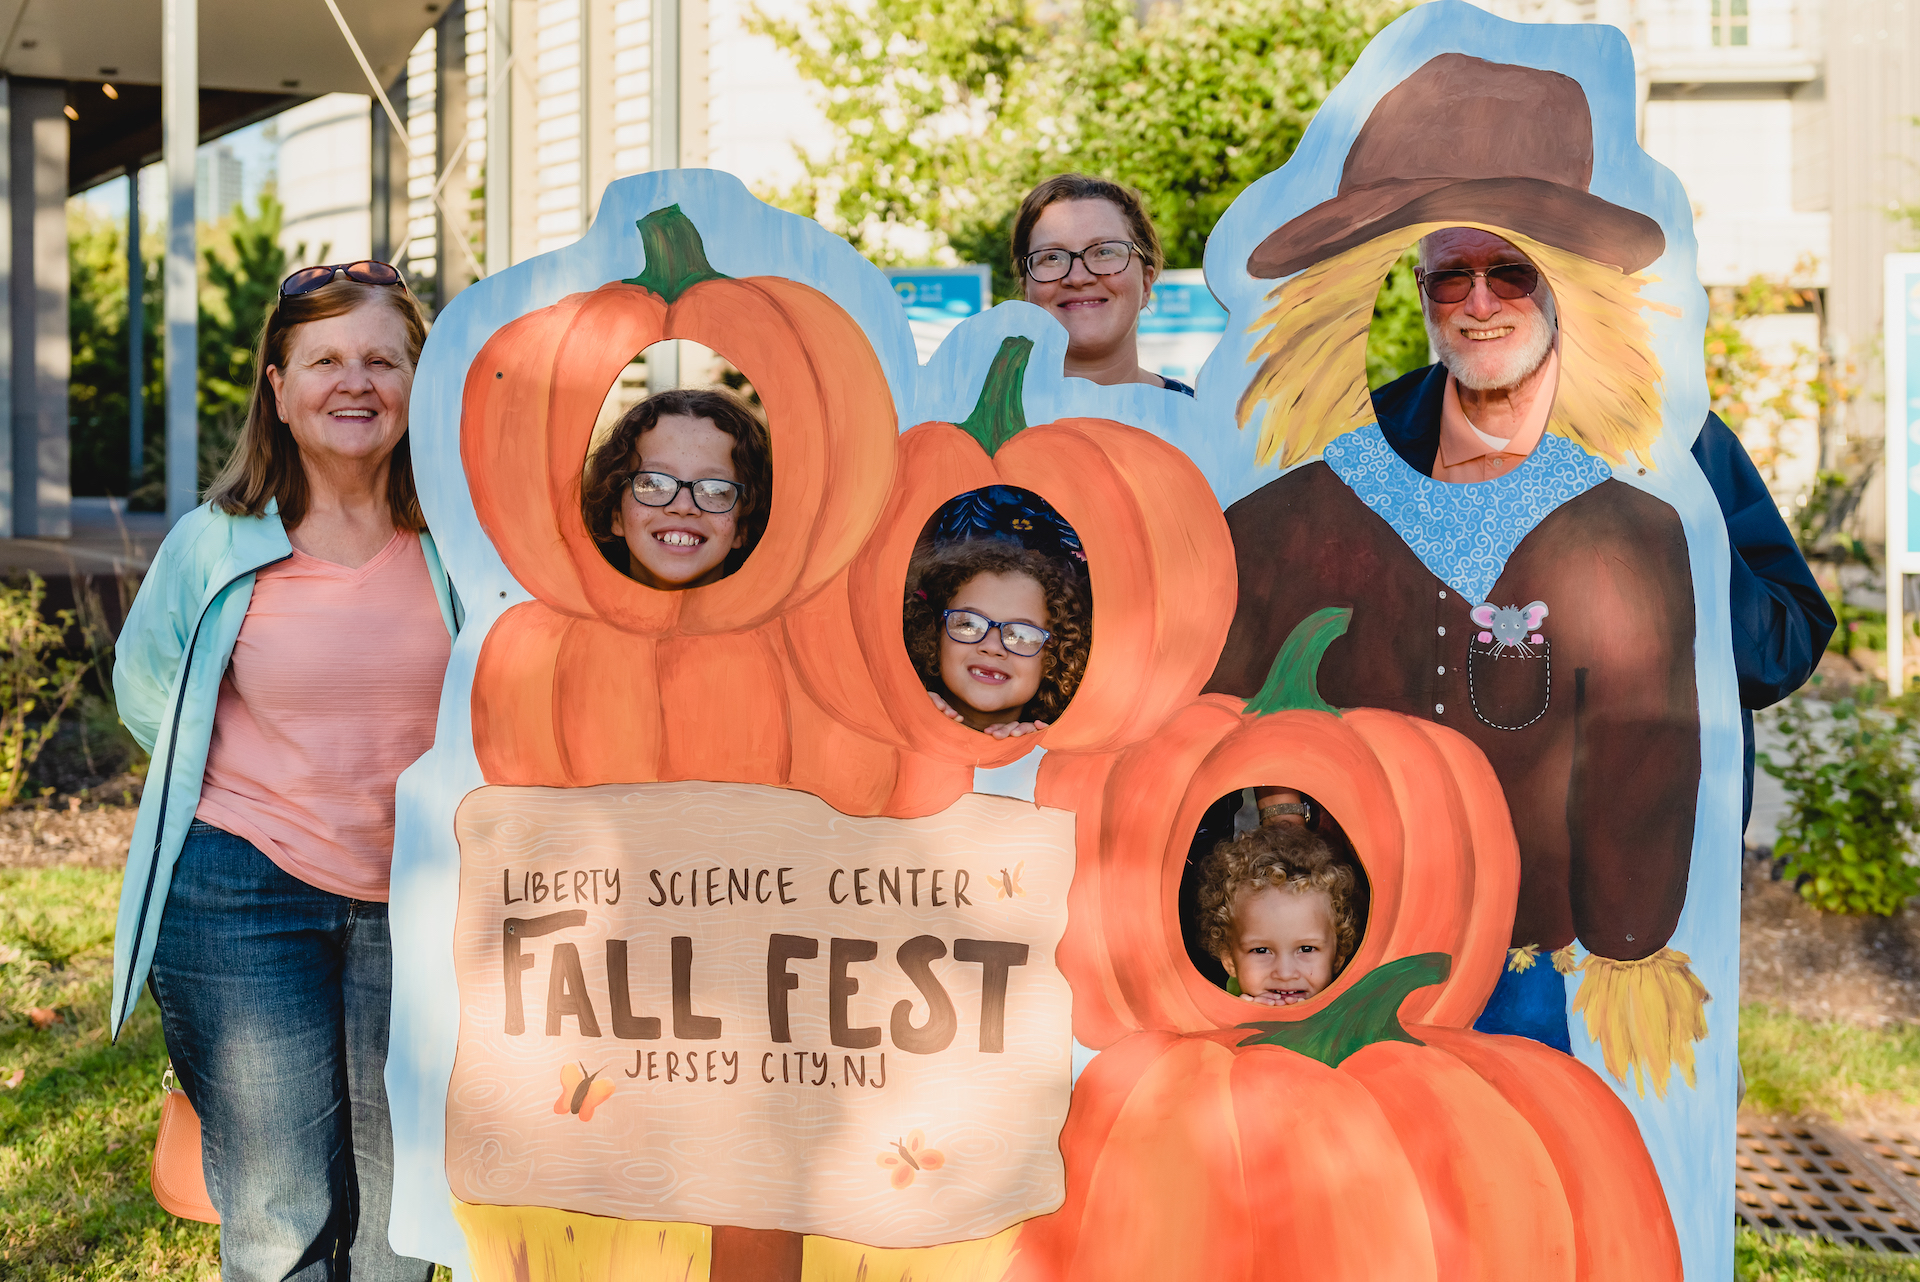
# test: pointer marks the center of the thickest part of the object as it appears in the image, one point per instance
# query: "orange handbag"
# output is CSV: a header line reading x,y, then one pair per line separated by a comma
x,y
179,1180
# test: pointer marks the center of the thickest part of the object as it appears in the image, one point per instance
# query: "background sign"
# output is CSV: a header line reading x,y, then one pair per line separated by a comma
x,y
938,298
1182,326
1903,422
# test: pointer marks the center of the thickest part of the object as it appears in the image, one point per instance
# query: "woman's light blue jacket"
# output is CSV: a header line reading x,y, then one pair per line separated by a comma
x,y
172,652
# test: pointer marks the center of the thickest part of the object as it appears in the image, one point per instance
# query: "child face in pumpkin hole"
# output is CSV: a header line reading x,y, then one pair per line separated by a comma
x,y
679,545
988,684
1284,944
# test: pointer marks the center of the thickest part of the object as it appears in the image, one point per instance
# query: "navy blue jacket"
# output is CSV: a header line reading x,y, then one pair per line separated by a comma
x,y
1781,619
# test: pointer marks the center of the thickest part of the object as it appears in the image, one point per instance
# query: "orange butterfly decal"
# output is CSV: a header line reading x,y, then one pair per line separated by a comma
x,y
910,1158
580,1093
1007,884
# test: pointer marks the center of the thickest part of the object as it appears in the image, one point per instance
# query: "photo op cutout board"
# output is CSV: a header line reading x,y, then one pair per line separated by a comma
x,y
877,996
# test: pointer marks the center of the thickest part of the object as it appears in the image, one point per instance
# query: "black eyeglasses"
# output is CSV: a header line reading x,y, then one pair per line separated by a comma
x,y
710,494
1108,258
1454,284
366,271
970,627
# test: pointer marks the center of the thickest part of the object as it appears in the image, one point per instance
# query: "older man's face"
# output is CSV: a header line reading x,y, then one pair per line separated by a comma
x,y
1485,341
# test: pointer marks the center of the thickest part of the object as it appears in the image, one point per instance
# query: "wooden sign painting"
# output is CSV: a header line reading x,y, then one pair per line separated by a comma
x,y
720,952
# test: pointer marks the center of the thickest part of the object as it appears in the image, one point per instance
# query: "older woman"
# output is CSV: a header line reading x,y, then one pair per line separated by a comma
x,y
283,664
1087,252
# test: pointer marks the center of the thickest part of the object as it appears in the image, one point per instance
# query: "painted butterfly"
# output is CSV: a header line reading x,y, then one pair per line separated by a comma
x,y
910,1158
580,1093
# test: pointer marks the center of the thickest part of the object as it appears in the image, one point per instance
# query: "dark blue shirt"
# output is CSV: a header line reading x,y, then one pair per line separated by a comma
x,y
1781,619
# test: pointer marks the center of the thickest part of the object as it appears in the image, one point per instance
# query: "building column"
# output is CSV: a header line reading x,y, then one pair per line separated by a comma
x,y
179,141
136,337
41,495
389,164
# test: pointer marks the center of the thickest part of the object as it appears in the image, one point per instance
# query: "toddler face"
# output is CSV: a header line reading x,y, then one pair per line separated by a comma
x,y
680,546
987,683
1284,944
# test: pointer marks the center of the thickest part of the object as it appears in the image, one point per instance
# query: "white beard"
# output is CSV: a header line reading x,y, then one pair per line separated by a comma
x,y
1475,367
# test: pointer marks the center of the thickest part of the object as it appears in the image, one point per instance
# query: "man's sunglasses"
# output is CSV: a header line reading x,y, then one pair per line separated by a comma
x,y
366,271
1452,285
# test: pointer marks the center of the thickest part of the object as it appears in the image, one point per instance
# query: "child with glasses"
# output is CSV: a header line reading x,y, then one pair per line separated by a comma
x,y
678,495
998,634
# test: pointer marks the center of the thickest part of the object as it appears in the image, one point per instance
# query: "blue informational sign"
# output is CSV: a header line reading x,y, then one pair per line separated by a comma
x,y
942,294
1181,326
1910,293
1902,302
1182,304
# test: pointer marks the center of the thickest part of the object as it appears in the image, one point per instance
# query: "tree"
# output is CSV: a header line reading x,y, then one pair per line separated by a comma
x,y
944,112
241,269
97,324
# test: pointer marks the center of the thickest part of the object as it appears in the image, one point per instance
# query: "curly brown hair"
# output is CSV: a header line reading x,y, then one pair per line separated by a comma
x,y
610,467
936,577
1280,855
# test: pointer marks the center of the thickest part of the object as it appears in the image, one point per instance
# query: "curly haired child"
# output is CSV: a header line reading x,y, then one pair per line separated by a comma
x,y
678,495
1277,909
997,632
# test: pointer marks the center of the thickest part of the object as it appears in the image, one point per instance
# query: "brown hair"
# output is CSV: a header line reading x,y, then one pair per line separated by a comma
x,y
1086,187
265,463
936,577
611,466
1280,855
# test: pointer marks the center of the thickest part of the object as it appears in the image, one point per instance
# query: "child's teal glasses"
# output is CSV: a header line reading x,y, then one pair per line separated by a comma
x,y
970,627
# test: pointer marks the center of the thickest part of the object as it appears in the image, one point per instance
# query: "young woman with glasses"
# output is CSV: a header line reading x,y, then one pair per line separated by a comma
x,y
678,494
1087,252
283,664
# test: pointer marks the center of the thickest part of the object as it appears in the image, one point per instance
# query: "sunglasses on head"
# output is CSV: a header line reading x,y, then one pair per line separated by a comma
x,y
1453,284
366,271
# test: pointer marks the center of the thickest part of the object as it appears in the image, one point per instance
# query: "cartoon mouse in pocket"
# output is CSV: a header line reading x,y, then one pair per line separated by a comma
x,y
1510,627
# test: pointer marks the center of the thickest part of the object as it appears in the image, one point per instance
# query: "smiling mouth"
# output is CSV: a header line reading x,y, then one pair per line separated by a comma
x,y
1487,335
679,538
987,676
360,414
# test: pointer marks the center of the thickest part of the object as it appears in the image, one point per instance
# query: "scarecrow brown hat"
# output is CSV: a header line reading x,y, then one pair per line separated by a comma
x,y
1477,141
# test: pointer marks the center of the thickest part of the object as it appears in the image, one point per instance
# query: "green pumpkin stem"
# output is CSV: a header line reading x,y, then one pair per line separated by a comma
x,y
1368,1012
676,259
1293,680
1000,414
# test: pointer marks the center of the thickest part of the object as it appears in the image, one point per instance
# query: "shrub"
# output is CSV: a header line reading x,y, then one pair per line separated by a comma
x,y
1851,816
37,682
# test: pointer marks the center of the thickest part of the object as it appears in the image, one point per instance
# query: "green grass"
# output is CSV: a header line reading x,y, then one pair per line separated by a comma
x,y
76,1135
1779,1258
1796,1065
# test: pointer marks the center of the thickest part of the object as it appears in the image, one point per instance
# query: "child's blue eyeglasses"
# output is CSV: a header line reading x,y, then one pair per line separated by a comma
x,y
970,627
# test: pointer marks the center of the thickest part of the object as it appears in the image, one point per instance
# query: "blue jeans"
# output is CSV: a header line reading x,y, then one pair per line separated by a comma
x,y
274,996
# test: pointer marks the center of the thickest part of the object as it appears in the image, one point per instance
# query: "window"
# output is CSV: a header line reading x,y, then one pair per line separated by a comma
x,y
1729,22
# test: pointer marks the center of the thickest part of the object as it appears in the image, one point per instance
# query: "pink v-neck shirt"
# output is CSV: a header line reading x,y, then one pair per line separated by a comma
x,y
332,692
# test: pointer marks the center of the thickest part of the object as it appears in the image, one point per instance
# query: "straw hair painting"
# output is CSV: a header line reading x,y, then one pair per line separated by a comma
x,y
1609,398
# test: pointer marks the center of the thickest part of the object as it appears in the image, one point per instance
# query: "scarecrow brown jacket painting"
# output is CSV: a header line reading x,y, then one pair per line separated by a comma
x,y
1602,765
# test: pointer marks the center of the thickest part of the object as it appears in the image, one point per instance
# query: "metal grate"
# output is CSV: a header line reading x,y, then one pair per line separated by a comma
x,y
1795,1177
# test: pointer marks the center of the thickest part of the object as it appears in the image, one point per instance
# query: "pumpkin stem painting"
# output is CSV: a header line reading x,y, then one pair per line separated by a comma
x,y
834,986
1367,1013
676,260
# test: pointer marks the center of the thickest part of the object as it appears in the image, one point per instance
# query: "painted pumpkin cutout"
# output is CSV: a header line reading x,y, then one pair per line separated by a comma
x,y
1424,813
1158,558
536,387
1348,1145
